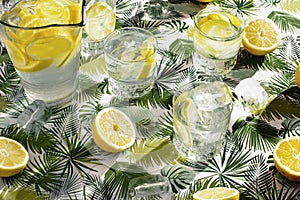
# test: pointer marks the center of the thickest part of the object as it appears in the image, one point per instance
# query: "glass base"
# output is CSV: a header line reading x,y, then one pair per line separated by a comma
x,y
197,152
128,89
213,67
54,95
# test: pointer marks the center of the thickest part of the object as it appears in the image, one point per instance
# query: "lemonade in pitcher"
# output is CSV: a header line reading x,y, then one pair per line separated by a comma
x,y
43,40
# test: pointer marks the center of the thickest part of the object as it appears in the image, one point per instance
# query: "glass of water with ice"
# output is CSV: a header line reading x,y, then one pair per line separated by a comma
x,y
130,55
201,115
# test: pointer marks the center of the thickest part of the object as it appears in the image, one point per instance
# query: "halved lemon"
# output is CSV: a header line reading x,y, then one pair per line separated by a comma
x,y
13,157
286,157
297,76
112,130
217,193
100,20
261,36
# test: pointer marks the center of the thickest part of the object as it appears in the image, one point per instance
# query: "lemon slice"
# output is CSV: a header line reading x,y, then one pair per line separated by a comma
x,y
147,53
287,157
49,47
16,53
261,36
13,157
51,9
113,130
218,193
217,28
184,110
100,21
297,76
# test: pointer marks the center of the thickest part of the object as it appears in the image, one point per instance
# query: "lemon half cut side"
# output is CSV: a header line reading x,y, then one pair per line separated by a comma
x,y
286,157
217,193
13,157
261,36
113,130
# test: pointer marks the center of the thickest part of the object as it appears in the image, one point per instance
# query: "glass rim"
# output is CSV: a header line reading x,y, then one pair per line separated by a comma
x,y
79,24
216,10
124,31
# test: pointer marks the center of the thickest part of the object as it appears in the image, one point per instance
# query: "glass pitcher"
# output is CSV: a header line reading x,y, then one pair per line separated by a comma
x,y
43,39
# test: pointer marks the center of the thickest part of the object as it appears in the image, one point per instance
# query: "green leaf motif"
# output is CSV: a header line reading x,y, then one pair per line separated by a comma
x,y
9,80
285,21
117,179
153,152
180,176
176,25
258,177
94,185
291,127
255,134
246,7
182,48
290,5
225,170
280,108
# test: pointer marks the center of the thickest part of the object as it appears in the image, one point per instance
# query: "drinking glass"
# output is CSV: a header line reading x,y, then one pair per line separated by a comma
x,y
99,23
130,61
217,40
201,114
43,40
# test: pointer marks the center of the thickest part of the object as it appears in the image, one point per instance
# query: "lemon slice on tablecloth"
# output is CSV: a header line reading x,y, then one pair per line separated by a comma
x,y
218,193
112,130
100,21
287,157
261,36
13,157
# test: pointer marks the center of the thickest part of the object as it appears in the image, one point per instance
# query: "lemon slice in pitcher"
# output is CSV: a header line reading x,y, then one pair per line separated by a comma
x,y
49,47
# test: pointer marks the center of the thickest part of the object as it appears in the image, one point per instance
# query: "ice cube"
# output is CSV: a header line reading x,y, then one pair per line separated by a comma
x,y
34,116
148,186
213,101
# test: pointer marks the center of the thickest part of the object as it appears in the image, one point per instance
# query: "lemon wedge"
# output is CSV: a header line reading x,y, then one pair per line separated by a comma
x,y
184,108
147,52
13,157
112,130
